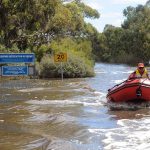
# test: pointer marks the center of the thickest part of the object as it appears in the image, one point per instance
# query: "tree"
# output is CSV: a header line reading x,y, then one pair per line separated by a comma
x,y
25,20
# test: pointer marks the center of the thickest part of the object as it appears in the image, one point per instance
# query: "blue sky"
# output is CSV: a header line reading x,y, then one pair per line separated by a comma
x,y
111,11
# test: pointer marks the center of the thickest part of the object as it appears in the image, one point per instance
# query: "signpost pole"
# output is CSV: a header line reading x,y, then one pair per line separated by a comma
x,y
62,72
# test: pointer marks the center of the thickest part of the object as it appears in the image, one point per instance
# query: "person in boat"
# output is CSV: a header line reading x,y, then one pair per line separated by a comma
x,y
140,72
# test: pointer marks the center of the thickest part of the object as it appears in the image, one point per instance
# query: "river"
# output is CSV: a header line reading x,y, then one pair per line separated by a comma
x,y
70,115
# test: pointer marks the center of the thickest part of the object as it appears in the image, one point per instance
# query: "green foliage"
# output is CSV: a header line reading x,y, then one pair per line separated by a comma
x,y
62,20
75,67
4,49
79,56
22,20
29,23
48,27
88,11
78,66
80,46
129,43
138,29
47,68
41,50
148,3
79,62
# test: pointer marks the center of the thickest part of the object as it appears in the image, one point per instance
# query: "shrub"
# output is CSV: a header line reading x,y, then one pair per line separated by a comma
x,y
75,67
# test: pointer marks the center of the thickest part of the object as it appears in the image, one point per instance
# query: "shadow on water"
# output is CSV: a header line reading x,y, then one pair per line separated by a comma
x,y
133,106
129,110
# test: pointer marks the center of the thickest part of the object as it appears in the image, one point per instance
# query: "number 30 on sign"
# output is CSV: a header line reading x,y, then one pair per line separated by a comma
x,y
61,57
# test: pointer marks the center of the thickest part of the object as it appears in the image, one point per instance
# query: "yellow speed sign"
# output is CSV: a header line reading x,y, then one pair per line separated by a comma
x,y
61,57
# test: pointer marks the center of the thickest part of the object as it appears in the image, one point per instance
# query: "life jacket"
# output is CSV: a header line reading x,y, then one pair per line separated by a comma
x,y
144,75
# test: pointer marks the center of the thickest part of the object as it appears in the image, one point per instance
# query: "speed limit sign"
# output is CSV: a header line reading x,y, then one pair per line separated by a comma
x,y
61,57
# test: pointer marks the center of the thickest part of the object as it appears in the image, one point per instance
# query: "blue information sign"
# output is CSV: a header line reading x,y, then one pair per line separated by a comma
x,y
14,70
17,58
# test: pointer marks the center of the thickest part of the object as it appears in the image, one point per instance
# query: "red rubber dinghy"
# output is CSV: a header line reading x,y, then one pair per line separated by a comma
x,y
134,90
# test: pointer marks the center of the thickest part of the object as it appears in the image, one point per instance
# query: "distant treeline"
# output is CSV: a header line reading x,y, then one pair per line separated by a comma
x,y
46,27
129,43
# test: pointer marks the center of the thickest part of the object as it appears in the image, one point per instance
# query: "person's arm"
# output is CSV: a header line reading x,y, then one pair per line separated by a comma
x,y
132,76
148,76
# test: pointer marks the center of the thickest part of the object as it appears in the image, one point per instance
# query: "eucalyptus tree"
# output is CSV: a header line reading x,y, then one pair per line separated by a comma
x,y
29,22
24,21
137,24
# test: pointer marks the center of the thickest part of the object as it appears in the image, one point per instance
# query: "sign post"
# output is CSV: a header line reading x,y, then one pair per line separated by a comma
x,y
62,71
61,57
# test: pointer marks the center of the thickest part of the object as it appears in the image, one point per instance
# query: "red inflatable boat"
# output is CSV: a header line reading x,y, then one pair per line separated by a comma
x,y
135,90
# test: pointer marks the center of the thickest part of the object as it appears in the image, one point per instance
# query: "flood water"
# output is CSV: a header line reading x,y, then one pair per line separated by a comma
x,y
70,115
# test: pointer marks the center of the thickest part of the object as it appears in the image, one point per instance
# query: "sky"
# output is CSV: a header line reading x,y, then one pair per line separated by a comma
x,y
111,11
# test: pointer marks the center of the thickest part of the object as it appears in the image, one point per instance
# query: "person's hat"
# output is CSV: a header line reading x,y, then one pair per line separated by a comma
x,y
140,65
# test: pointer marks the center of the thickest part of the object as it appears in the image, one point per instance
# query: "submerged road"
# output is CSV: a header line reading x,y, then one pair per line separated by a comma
x,y
70,115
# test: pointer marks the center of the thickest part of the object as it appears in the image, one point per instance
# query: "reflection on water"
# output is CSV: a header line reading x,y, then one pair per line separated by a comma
x,y
70,115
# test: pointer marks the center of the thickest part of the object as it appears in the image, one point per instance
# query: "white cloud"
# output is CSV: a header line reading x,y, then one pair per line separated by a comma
x,y
111,11
111,15
114,18
117,22
129,2
100,24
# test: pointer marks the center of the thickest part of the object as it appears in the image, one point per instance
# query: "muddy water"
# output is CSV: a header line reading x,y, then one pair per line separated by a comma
x,y
70,115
